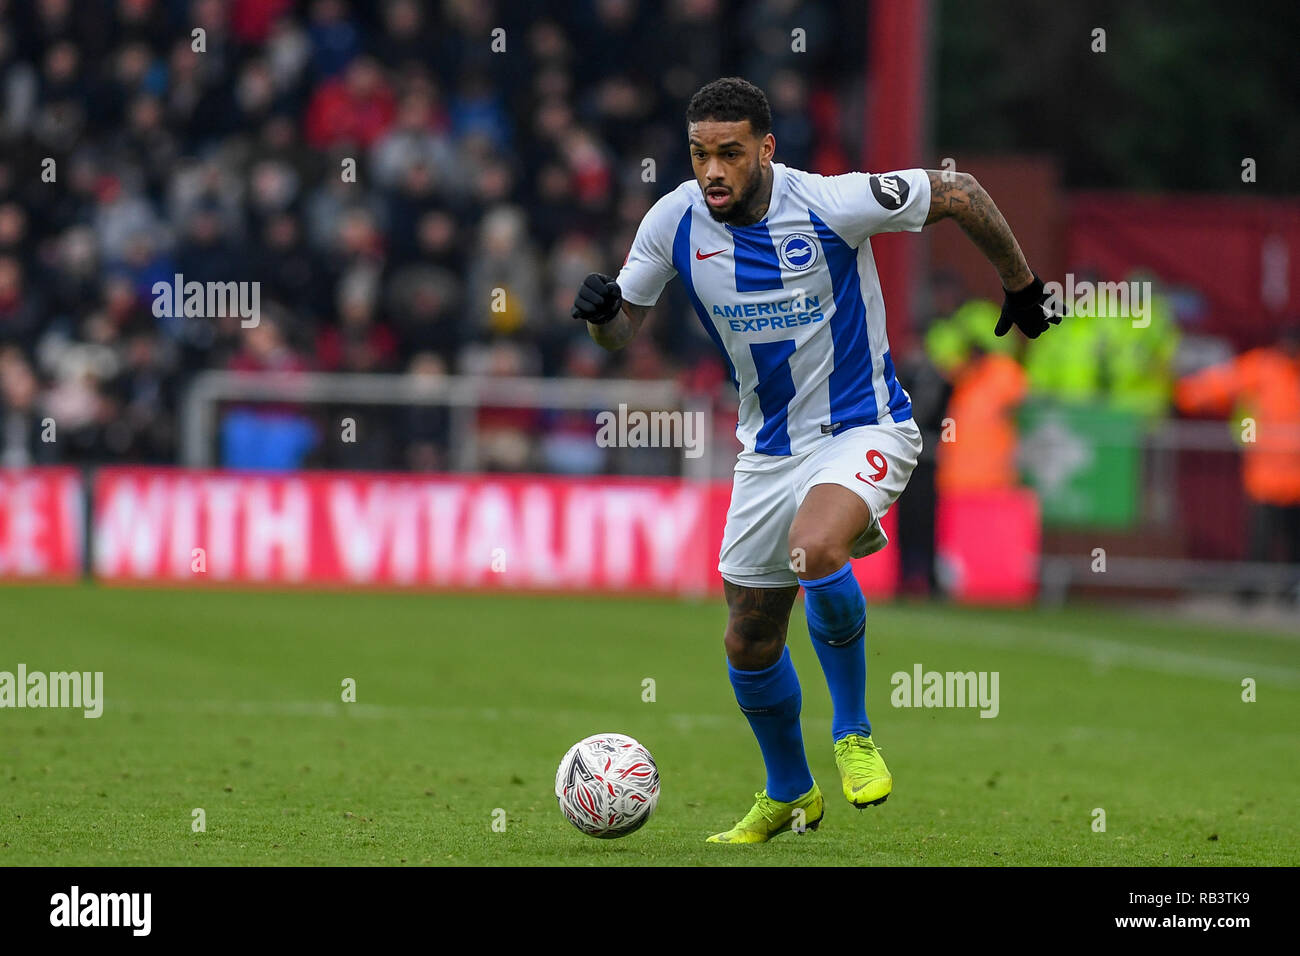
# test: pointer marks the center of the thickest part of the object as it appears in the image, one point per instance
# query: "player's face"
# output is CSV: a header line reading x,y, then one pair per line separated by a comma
x,y
730,164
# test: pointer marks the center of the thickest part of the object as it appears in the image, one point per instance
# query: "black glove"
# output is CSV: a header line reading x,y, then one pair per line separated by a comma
x,y
1029,310
598,300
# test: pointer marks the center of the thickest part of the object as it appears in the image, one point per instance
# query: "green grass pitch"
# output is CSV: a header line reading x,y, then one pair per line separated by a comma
x,y
231,702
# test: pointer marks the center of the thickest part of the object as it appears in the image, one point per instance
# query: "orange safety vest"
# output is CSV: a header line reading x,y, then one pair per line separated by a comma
x,y
1267,382
977,448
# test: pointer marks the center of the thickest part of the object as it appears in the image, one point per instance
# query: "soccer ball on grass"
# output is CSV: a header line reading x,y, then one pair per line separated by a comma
x,y
607,785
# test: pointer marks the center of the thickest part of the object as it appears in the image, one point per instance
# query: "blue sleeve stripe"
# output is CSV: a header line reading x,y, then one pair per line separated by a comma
x,y
682,263
775,392
852,397
756,264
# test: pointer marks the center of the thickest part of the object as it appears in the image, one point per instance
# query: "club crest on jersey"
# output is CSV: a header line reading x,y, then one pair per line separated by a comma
x,y
798,252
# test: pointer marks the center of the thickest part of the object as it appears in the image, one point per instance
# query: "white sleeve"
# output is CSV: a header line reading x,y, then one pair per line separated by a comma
x,y
649,264
864,204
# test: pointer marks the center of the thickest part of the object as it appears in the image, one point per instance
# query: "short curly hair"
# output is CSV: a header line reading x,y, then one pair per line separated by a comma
x,y
730,100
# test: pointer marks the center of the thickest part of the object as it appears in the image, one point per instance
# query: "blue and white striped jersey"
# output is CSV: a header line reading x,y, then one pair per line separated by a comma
x,y
793,302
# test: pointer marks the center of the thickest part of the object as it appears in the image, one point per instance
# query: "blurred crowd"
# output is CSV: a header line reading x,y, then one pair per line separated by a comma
x,y
496,146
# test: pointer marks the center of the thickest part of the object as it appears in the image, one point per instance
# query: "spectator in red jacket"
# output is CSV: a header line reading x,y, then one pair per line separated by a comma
x,y
358,343
354,110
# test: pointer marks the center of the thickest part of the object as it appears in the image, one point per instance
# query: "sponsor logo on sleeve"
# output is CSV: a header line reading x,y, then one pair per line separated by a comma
x,y
890,190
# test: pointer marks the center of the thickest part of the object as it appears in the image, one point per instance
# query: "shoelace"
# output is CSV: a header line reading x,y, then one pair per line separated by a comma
x,y
857,743
762,803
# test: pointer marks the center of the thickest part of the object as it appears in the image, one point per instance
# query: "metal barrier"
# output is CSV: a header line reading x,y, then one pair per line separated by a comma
x,y
464,396
1190,531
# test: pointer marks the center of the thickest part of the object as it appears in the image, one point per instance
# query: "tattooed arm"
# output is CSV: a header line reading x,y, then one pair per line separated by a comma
x,y
620,330
959,195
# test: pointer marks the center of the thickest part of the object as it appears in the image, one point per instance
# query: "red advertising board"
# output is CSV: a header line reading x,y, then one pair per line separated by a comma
x,y
41,523
1239,252
989,544
513,532
470,532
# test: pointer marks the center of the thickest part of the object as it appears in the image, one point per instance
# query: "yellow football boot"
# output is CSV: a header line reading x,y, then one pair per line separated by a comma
x,y
866,779
769,817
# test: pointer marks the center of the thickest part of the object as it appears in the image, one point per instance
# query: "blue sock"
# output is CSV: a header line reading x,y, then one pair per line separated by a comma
x,y
770,699
837,620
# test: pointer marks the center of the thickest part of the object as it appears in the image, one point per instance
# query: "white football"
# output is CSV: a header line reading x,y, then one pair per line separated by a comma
x,y
607,785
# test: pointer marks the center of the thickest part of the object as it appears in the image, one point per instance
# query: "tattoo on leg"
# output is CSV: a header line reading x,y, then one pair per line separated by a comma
x,y
759,614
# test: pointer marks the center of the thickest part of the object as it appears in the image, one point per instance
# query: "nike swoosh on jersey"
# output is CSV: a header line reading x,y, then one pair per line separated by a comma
x,y
708,255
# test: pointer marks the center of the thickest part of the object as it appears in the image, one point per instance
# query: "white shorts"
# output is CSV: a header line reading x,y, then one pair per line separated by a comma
x,y
873,461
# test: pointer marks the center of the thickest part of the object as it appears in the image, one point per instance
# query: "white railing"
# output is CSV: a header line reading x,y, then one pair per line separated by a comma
x,y
463,395
1133,565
